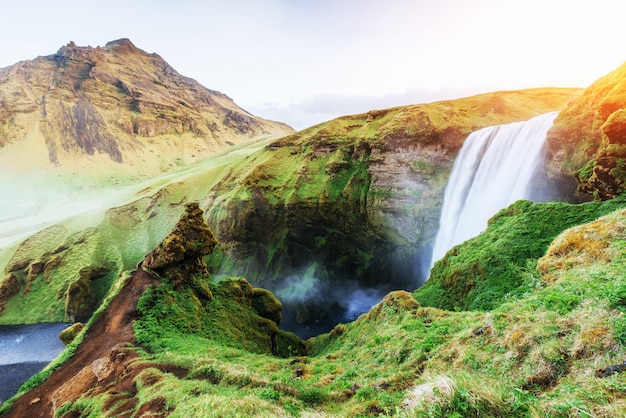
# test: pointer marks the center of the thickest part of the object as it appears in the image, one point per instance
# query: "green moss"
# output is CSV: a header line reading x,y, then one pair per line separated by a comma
x,y
585,173
619,172
480,273
425,168
231,318
535,353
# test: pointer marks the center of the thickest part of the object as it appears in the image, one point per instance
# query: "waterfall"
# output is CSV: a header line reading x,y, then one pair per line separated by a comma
x,y
493,169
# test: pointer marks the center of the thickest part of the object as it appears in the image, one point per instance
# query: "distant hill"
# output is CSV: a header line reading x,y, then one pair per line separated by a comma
x,y
114,109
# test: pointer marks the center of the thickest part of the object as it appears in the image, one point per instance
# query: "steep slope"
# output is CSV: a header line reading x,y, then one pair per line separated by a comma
x,y
116,110
484,271
588,139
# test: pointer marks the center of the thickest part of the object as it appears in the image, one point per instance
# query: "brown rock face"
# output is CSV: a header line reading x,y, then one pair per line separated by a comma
x,y
180,254
8,287
588,139
116,103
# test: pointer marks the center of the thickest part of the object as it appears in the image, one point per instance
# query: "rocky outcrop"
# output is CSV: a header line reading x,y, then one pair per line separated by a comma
x,y
9,286
114,108
108,360
588,139
80,299
69,334
179,255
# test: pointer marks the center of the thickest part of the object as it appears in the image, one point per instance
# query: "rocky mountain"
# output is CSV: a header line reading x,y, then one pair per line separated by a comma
x,y
114,110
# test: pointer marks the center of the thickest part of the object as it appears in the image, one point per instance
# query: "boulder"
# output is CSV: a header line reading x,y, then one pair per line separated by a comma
x,y
69,333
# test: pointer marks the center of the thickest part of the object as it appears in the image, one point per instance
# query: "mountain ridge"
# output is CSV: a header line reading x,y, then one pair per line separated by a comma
x,y
114,108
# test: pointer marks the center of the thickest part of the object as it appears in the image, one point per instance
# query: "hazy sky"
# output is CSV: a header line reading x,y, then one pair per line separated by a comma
x,y
307,61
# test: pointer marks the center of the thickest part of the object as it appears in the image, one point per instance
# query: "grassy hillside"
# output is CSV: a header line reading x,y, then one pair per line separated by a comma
x,y
542,352
482,272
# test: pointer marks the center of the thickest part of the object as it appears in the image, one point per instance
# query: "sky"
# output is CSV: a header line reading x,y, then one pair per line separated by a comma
x,y
307,61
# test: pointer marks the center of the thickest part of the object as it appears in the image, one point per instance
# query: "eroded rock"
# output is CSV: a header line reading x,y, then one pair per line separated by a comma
x,y
179,255
80,298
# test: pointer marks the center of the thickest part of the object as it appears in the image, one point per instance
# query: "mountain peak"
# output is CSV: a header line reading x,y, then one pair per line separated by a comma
x,y
90,107
123,42
118,46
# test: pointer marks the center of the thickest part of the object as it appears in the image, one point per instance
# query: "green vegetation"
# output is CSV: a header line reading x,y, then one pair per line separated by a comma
x,y
585,172
534,354
207,349
181,320
499,263
70,348
277,205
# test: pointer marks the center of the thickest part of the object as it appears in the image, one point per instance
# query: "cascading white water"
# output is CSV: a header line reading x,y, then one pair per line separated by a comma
x,y
493,169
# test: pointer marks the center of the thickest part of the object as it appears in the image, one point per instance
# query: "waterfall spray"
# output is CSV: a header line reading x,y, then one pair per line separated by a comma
x,y
493,169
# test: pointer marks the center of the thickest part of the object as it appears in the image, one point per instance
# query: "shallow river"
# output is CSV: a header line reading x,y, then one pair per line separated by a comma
x,y
24,351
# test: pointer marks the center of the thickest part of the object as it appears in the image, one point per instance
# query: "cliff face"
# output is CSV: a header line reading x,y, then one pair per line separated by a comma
x,y
343,206
352,203
588,139
114,106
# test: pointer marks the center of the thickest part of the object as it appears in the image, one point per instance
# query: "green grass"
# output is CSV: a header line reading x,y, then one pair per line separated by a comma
x,y
499,263
533,355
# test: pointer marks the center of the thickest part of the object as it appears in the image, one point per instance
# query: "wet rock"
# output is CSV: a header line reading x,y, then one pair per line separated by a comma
x,y
267,305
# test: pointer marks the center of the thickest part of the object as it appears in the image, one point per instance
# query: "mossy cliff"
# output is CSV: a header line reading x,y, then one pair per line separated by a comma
x,y
353,200
588,139
555,348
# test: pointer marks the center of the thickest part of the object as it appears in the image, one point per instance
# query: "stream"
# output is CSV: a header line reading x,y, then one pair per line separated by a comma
x,y
24,351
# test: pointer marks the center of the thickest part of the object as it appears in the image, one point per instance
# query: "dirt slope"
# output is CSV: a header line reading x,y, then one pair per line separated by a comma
x,y
99,359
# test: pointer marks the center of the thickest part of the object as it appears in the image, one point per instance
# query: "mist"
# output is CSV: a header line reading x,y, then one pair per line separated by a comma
x,y
32,202
314,301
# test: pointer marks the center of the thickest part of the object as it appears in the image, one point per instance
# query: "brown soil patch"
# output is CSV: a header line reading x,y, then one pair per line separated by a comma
x,y
103,344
